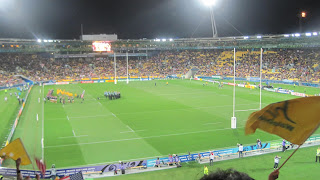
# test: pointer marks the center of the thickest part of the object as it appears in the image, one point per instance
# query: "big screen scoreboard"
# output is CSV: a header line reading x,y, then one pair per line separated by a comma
x,y
101,46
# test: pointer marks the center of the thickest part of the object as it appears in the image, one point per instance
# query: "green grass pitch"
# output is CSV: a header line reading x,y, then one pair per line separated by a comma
x,y
147,121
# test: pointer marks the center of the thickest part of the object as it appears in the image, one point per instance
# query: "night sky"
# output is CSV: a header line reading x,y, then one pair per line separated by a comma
x,y
135,19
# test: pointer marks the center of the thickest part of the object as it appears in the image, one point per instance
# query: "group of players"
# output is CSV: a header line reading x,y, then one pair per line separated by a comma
x,y
112,95
21,100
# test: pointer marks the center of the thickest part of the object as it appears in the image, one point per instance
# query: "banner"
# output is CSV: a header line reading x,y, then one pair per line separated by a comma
x,y
86,82
298,94
58,83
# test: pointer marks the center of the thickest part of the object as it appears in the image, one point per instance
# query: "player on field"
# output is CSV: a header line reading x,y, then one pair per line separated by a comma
x,y
5,99
167,83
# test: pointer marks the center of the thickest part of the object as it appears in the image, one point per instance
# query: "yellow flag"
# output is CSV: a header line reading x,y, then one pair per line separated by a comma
x,y
294,120
16,150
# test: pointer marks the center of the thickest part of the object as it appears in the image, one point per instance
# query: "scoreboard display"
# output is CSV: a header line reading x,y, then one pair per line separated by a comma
x,y
101,46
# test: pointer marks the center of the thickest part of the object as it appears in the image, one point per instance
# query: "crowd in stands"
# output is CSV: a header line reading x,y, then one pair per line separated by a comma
x,y
291,64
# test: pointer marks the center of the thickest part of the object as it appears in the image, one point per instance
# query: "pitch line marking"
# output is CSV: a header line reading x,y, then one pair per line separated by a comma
x,y
127,132
131,139
68,118
114,115
72,136
247,110
130,128
212,123
132,131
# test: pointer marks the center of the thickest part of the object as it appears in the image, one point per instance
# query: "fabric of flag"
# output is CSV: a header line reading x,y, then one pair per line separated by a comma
x,y
77,176
16,150
65,178
41,166
294,120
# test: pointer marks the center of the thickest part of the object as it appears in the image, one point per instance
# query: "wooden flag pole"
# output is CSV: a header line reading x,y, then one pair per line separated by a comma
x,y
289,157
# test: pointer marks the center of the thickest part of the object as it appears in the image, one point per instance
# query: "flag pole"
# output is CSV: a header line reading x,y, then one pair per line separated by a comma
x,y
260,75
289,157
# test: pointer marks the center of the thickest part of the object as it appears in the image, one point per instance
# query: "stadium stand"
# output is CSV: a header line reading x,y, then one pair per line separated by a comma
x,y
278,64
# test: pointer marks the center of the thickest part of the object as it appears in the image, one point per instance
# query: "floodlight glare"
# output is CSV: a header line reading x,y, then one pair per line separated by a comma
x,y
163,40
209,2
315,33
45,40
170,39
39,40
308,34
297,35
246,37
50,40
303,14
259,37
286,35
157,40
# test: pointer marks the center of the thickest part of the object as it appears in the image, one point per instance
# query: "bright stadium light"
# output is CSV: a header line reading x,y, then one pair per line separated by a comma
x,y
39,40
259,37
308,34
209,2
170,39
286,35
297,35
246,37
157,40
164,40
292,35
45,40
315,33
50,40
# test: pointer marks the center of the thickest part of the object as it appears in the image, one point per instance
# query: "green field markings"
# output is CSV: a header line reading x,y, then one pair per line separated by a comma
x,y
147,121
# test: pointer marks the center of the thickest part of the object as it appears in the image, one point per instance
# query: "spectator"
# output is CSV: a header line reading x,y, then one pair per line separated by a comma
x,y
276,162
53,172
157,163
229,174
177,160
284,148
240,150
211,158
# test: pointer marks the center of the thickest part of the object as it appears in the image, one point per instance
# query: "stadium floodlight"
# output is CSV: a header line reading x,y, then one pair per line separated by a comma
x,y
45,40
170,39
50,40
164,40
292,35
157,40
297,35
286,35
39,40
315,33
209,3
246,37
308,34
259,37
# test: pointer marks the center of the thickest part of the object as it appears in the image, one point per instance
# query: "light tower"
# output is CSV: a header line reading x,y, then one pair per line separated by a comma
x,y
211,4
302,16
